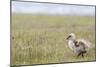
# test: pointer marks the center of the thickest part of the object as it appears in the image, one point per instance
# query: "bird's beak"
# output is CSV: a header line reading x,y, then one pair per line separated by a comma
x,y
68,37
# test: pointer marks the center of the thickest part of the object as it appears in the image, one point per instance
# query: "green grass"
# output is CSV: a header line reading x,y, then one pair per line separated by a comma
x,y
40,39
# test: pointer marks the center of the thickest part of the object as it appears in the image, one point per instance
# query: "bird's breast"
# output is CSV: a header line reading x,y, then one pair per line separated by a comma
x,y
71,44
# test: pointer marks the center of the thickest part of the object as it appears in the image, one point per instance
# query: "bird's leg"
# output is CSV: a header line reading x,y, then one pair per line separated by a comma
x,y
79,54
84,51
82,54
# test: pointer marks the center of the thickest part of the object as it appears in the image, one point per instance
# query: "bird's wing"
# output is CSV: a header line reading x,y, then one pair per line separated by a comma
x,y
84,43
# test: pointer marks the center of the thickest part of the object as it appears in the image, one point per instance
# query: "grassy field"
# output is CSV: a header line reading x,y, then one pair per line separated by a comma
x,y
41,39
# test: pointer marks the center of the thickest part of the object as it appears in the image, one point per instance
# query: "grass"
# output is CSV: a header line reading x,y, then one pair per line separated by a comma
x,y
40,39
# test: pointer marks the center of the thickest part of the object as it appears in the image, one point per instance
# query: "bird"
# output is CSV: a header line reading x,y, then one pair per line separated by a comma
x,y
78,46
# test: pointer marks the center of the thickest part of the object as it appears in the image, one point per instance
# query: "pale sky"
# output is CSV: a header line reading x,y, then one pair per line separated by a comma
x,y
52,9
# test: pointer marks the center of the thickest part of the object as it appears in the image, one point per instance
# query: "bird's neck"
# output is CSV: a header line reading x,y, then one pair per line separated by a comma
x,y
72,40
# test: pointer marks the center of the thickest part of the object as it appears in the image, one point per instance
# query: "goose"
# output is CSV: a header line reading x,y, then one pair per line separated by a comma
x,y
78,46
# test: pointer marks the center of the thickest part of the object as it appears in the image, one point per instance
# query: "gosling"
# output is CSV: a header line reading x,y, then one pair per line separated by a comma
x,y
78,46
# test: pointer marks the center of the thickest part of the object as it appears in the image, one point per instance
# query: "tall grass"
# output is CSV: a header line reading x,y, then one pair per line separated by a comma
x,y
41,39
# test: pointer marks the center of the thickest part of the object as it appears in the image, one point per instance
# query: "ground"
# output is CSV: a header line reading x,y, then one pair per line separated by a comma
x,y
41,39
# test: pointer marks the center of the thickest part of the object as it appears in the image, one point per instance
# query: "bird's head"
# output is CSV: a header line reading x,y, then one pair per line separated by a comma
x,y
71,37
